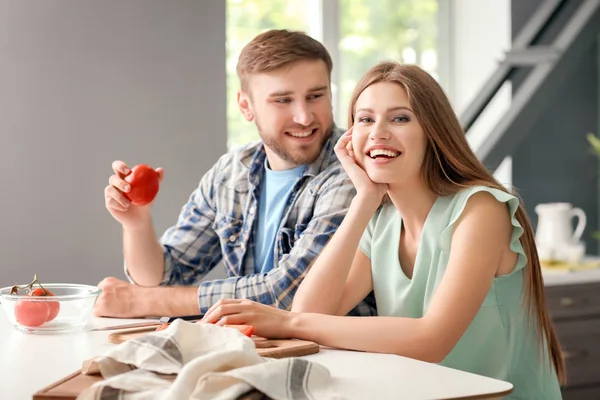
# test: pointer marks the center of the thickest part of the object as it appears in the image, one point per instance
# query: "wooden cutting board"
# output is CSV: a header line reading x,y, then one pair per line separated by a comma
x,y
265,348
70,386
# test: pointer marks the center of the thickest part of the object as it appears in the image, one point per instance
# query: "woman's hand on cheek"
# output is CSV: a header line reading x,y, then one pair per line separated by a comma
x,y
365,187
268,322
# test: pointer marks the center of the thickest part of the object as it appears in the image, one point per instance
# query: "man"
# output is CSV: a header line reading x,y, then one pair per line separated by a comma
x,y
264,211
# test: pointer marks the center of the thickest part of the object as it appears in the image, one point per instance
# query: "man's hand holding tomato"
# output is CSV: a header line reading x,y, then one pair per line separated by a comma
x,y
129,197
116,194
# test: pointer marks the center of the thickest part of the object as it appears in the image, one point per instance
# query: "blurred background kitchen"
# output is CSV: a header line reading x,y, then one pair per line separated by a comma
x,y
85,82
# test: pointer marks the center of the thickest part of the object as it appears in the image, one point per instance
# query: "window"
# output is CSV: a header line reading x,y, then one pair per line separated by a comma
x,y
245,20
365,32
377,30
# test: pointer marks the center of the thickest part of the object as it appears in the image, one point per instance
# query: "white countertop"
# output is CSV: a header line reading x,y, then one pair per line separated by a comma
x,y
556,278
31,362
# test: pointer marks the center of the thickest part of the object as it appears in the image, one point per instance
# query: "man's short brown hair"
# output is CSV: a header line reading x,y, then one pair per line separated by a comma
x,y
277,48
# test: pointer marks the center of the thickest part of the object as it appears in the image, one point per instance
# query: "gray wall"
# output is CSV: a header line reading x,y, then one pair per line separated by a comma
x,y
554,163
83,83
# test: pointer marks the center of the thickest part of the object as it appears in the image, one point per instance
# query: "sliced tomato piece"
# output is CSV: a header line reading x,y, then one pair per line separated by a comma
x,y
162,327
247,330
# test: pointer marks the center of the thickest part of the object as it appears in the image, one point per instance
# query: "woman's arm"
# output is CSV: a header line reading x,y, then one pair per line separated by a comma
x,y
479,238
340,278
358,285
341,275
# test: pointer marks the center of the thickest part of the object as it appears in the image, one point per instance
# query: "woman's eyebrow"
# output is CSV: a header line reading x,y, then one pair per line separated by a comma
x,y
388,110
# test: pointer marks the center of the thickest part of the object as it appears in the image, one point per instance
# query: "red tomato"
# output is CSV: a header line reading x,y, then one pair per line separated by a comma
x,y
247,330
144,185
163,326
54,306
31,313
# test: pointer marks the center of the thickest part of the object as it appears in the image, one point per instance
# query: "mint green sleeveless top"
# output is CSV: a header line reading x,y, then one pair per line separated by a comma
x,y
498,343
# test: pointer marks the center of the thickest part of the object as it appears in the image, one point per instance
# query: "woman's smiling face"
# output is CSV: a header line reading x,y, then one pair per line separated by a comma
x,y
387,139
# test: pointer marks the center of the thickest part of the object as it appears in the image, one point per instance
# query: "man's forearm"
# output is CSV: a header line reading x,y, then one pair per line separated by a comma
x,y
143,255
171,301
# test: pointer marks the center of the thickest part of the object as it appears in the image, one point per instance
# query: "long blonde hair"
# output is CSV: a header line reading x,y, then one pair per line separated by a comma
x,y
450,165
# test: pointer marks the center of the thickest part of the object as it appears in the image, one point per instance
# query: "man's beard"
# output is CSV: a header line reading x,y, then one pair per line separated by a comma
x,y
298,157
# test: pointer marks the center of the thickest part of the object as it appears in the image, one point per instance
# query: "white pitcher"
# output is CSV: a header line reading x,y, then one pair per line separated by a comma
x,y
555,237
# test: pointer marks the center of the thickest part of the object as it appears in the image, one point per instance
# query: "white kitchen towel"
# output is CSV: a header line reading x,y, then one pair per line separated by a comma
x,y
210,362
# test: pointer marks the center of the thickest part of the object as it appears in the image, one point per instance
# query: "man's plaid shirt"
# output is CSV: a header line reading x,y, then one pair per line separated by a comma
x,y
217,226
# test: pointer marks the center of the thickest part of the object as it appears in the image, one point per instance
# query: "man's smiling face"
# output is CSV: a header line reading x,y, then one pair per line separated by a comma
x,y
292,110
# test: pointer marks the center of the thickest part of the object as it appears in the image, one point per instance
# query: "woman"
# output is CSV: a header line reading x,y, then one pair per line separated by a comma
x,y
447,250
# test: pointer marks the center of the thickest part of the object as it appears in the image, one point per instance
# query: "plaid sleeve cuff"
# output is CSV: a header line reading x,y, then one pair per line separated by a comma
x,y
210,292
168,269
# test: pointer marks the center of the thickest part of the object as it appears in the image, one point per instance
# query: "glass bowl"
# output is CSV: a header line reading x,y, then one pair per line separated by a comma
x,y
71,306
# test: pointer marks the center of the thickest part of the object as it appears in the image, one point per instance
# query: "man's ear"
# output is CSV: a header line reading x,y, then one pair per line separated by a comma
x,y
245,107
